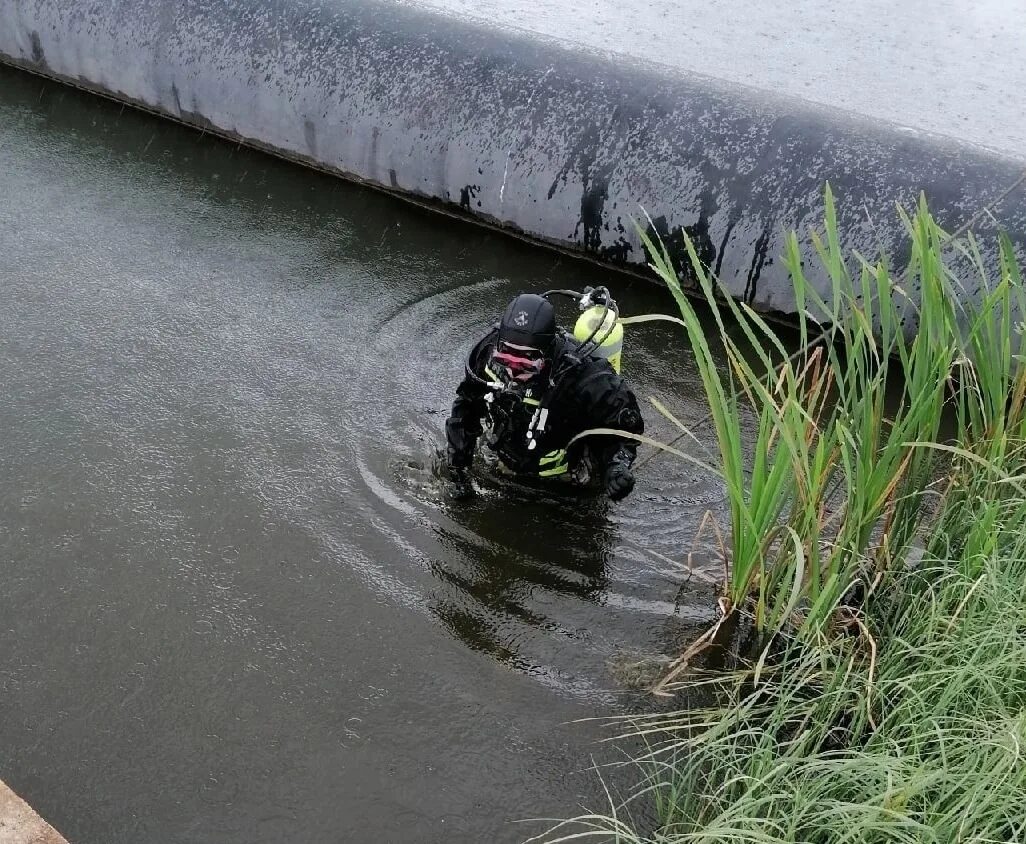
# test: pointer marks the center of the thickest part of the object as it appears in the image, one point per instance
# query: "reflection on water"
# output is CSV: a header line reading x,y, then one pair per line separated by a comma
x,y
507,569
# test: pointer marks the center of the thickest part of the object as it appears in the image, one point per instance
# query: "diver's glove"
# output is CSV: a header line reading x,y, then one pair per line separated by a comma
x,y
460,486
619,478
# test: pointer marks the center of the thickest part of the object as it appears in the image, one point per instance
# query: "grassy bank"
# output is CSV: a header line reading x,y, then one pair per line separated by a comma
x,y
924,744
881,554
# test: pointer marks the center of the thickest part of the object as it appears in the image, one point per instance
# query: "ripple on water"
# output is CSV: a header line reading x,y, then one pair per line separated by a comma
x,y
551,585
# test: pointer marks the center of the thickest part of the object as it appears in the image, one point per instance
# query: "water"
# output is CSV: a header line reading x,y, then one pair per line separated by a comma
x,y
234,606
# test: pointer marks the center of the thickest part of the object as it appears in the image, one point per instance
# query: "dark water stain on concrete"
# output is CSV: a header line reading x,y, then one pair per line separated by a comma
x,y
468,193
592,205
675,241
310,136
37,49
758,261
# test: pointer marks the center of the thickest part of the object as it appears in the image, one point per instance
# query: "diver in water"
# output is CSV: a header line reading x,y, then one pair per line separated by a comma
x,y
531,387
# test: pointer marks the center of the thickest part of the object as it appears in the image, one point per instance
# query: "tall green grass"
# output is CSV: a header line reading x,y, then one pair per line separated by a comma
x,y
900,717
842,450
923,744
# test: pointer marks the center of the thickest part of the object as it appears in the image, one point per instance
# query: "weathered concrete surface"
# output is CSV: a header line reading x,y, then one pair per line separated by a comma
x,y
20,825
940,66
535,134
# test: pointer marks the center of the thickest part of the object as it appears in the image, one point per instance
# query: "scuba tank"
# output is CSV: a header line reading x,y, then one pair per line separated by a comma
x,y
598,329
600,323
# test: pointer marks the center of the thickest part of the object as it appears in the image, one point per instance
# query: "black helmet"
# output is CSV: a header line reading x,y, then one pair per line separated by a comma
x,y
529,321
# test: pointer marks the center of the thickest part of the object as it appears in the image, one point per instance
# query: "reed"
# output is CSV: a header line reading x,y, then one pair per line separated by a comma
x,y
902,717
828,489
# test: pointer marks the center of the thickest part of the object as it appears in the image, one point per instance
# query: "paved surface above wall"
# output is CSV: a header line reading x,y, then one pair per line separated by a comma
x,y
20,825
944,66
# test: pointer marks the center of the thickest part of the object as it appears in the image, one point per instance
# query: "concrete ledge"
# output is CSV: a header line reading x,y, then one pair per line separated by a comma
x,y
20,825
519,131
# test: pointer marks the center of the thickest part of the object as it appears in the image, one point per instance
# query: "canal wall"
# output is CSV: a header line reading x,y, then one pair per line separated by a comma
x,y
550,139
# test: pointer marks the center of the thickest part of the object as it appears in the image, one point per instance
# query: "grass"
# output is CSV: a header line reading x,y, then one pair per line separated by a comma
x,y
900,717
848,431
924,743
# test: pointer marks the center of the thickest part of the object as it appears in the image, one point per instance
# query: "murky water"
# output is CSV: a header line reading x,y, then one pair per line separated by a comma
x,y
233,606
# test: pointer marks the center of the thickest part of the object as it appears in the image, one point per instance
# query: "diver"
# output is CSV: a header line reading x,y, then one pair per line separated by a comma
x,y
530,388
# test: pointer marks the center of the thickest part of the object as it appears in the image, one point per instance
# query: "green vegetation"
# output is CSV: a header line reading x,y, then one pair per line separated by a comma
x,y
881,555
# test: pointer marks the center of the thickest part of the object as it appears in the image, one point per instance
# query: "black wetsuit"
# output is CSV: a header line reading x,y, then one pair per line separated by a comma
x,y
586,394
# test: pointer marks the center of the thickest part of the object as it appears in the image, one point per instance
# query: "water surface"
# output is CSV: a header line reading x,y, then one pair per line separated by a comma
x,y
234,607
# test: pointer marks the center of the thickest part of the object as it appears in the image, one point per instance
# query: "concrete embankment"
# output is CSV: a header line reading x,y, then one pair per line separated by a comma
x,y
20,825
534,133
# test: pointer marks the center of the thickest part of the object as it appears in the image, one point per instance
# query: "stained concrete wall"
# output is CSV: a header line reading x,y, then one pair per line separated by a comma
x,y
520,130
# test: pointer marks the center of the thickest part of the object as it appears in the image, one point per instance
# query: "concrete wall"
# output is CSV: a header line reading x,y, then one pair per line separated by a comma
x,y
560,144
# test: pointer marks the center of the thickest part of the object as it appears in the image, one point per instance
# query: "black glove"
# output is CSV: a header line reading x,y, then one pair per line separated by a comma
x,y
460,486
619,478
